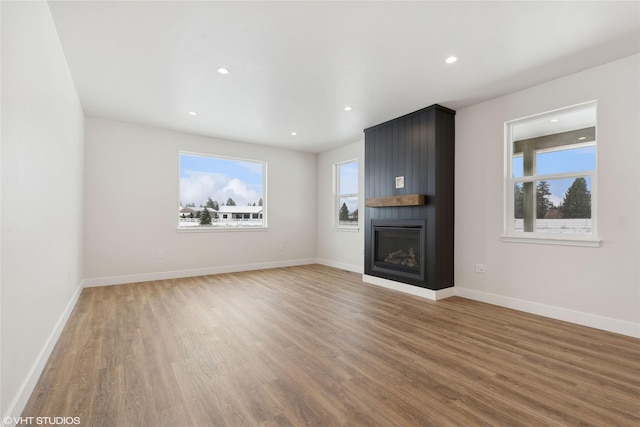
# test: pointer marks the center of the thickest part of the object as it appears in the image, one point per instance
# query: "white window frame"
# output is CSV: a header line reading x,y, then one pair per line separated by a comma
x,y
201,229
337,196
509,233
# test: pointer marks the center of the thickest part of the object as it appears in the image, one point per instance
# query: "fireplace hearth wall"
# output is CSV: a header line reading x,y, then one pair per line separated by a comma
x,y
416,150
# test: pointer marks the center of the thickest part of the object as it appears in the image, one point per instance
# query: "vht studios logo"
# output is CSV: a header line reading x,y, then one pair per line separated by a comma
x,y
39,421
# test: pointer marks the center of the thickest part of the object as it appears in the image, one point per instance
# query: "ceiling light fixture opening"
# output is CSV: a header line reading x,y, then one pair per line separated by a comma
x,y
223,70
193,113
348,108
451,59
294,133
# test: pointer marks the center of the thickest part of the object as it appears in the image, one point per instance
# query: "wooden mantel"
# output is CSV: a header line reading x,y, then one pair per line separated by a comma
x,y
408,200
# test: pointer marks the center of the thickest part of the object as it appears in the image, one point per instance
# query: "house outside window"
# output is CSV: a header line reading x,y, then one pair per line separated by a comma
x,y
346,194
221,193
551,177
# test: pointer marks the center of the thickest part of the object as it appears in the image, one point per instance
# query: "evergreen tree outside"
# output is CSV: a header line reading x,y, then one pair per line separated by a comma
x,y
518,197
212,204
577,200
231,202
354,215
205,217
260,202
344,213
542,199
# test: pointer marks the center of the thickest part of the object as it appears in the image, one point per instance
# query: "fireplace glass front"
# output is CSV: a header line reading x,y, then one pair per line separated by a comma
x,y
398,248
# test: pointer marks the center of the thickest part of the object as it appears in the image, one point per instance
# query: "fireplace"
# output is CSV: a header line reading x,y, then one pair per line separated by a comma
x,y
409,199
397,248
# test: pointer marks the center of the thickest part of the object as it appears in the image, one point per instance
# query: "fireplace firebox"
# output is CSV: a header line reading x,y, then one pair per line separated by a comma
x,y
397,248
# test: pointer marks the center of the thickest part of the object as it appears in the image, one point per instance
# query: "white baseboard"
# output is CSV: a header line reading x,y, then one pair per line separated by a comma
x,y
342,266
26,388
585,319
163,275
410,289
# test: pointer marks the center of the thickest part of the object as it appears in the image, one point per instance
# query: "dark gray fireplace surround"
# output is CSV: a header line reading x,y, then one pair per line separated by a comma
x,y
409,225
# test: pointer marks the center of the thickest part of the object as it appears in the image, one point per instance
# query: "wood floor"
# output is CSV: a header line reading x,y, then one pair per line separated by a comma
x,y
313,346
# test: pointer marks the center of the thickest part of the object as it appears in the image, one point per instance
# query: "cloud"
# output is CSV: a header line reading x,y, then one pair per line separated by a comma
x,y
196,187
240,193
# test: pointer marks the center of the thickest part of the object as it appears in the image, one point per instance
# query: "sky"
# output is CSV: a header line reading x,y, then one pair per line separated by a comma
x,y
561,161
202,177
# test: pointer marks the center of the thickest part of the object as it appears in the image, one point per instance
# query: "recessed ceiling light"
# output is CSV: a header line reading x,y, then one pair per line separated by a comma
x,y
553,120
348,108
582,138
193,113
294,133
223,70
451,59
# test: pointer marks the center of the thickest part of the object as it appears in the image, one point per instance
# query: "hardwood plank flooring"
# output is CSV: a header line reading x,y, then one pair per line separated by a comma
x,y
314,346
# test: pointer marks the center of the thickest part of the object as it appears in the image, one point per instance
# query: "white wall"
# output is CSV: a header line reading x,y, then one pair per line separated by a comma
x,y
42,169
339,248
132,200
594,286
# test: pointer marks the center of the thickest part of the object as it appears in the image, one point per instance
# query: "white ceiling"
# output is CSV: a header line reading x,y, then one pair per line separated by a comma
x,y
294,66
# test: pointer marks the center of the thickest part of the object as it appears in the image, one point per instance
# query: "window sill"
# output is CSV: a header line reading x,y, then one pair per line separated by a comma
x,y
347,229
218,229
590,242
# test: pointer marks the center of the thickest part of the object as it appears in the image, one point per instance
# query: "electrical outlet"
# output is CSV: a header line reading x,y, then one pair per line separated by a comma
x,y
479,268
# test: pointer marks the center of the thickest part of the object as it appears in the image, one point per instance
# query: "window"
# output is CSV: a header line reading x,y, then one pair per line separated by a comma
x,y
219,192
550,183
346,191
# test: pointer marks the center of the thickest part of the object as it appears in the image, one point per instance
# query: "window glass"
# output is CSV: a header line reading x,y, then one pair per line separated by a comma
x,y
220,192
566,160
347,193
569,213
516,167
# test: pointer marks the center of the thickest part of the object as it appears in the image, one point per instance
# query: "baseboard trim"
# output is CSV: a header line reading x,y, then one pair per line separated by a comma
x,y
28,385
342,266
585,319
409,289
177,274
